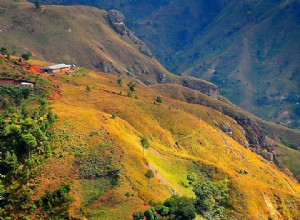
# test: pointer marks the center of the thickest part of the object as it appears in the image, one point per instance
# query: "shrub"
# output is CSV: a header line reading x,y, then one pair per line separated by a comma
x,y
211,198
131,86
138,215
27,55
158,99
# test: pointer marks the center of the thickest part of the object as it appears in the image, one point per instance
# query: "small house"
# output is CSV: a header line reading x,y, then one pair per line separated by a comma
x,y
58,68
27,84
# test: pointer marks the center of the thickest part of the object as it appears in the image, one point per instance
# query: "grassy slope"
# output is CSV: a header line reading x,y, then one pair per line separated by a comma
x,y
78,34
182,139
278,133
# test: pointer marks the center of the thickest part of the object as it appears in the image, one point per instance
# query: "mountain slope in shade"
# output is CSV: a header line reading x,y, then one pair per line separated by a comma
x,y
248,48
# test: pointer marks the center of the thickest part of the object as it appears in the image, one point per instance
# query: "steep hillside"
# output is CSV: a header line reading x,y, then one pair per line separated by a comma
x,y
248,48
84,31
96,150
84,36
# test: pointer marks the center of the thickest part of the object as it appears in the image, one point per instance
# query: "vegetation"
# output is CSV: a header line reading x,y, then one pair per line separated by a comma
x,y
37,4
158,99
131,86
211,199
120,82
191,177
149,175
27,55
145,144
25,140
88,89
210,202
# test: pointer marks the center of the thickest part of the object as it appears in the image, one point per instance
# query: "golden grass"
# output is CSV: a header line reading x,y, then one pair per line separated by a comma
x,y
174,136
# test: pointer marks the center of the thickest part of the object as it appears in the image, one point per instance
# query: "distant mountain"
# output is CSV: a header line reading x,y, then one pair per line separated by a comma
x,y
250,49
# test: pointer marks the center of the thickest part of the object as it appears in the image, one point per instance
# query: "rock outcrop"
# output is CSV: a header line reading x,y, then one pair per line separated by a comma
x,y
116,19
201,86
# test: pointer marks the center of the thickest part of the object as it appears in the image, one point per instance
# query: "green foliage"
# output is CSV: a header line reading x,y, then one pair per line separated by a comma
x,y
88,89
145,144
11,160
129,94
138,215
149,175
191,177
2,191
211,198
158,99
113,116
181,208
150,214
120,82
51,117
3,51
131,86
27,55
60,196
37,4
21,133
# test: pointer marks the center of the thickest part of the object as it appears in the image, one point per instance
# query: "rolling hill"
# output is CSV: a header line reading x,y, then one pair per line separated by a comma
x,y
88,160
248,48
96,153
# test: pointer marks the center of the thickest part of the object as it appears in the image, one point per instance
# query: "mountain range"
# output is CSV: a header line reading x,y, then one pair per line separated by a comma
x,y
247,48
81,144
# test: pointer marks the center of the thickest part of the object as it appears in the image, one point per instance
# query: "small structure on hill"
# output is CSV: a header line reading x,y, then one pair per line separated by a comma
x,y
58,68
5,81
27,84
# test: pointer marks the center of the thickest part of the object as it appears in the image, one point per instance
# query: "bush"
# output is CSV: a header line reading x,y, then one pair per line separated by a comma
x,y
131,86
27,55
158,99
138,215
211,198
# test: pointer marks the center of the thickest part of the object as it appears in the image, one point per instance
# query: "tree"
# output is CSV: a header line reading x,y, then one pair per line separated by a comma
x,y
191,177
158,99
37,4
150,214
11,160
3,51
138,215
181,208
27,55
88,89
149,175
2,191
145,144
120,82
131,86
211,198
51,117
29,141
25,111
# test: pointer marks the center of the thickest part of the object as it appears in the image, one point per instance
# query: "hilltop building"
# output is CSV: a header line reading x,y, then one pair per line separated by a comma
x,y
58,68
